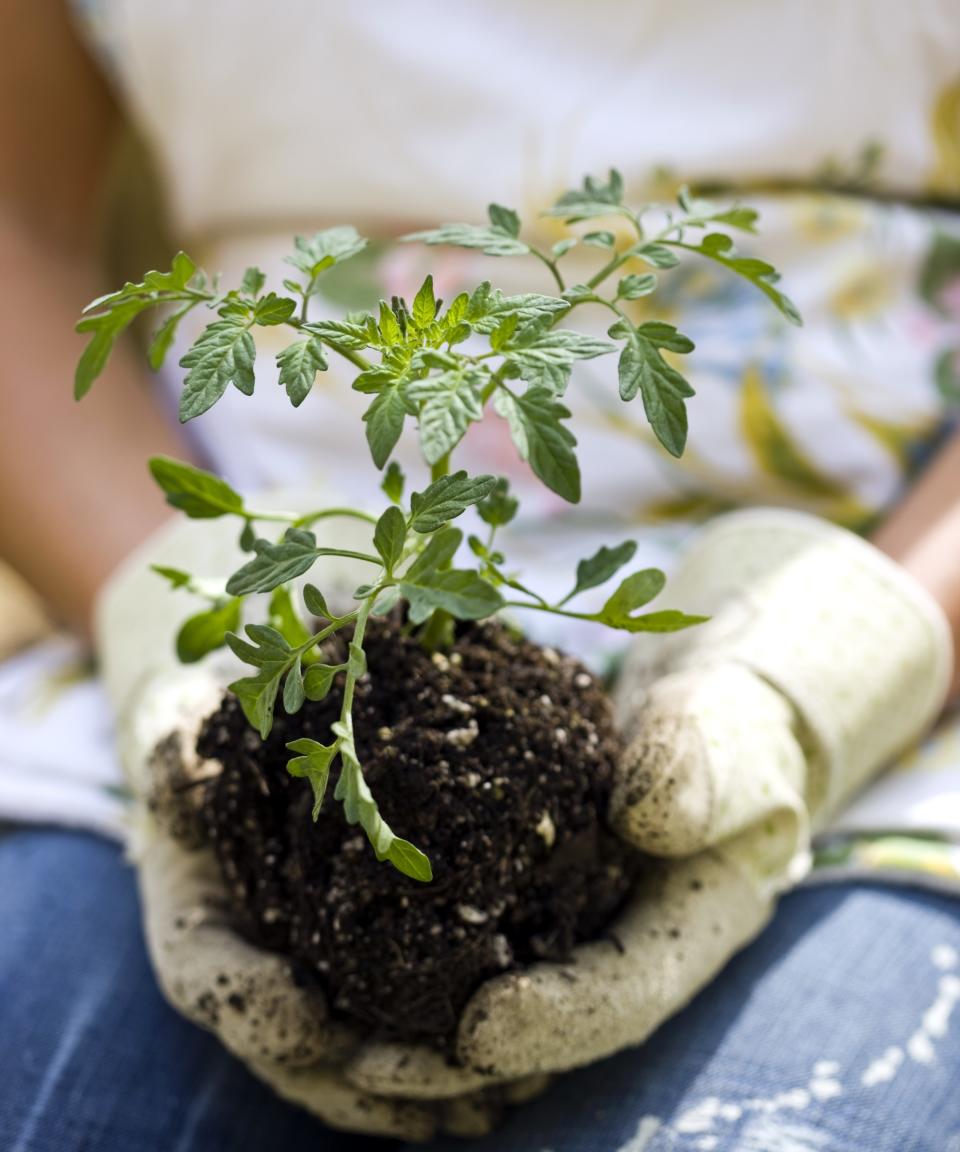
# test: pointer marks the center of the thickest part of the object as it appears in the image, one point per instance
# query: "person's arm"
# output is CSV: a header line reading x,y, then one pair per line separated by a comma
x,y
75,494
923,536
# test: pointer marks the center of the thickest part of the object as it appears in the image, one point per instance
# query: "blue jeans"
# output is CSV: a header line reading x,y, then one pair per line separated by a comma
x,y
832,1033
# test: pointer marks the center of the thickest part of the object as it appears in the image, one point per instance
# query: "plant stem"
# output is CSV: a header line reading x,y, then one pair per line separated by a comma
x,y
552,265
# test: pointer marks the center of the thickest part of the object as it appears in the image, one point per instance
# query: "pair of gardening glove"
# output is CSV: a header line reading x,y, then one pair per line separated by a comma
x,y
821,662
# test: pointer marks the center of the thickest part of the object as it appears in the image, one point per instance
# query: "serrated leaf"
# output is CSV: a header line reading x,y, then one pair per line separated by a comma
x,y
599,567
314,254
207,631
446,499
633,287
665,336
491,239
499,508
253,282
461,592
642,369
593,199
450,404
390,536
384,420
425,305
271,656
544,356
389,325
535,420
223,353
344,333
200,495
393,482
488,307
313,762
299,364
275,564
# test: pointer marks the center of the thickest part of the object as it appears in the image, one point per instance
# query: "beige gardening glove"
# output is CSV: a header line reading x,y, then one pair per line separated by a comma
x,y
823,660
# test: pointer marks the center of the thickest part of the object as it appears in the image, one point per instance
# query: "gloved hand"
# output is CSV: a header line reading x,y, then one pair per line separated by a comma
x,y
716,775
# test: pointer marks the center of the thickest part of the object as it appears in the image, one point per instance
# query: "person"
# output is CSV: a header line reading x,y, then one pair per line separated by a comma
x,y
308,116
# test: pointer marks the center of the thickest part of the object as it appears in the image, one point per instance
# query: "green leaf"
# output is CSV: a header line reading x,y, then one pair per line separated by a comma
x,y
318,680
499,508
283,616
425,305
314,254
656,255
635,591
600,239
313,598
313,762
386,601
299,364
665,336
164,336
504,218
384,420
393,482
642,369
389,325
207,631
356,661
719,247
273,309
446,499
275,564
345,333
543,355
460,592
108,316
389,536
248,537
535,420
360,808
592,199
450,404
409,860
200,495
603,564
633,287
494,240
439,552
253,282
106,327
293,689
177,577
271,656
669,620
487,307
223,353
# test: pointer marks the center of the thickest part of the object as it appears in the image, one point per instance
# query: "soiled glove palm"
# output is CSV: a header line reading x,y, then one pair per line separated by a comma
x,y
734,733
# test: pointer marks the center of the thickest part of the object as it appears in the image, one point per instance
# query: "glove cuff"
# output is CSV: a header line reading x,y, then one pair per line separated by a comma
x,y
862,652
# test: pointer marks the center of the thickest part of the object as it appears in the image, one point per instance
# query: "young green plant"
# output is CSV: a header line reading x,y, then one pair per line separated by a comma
x,y
438,369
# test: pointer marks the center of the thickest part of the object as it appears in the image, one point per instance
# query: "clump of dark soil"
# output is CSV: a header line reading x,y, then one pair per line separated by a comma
x,y
496,759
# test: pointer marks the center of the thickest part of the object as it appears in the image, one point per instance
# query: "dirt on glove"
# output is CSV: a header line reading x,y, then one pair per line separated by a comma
x,y
495,758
